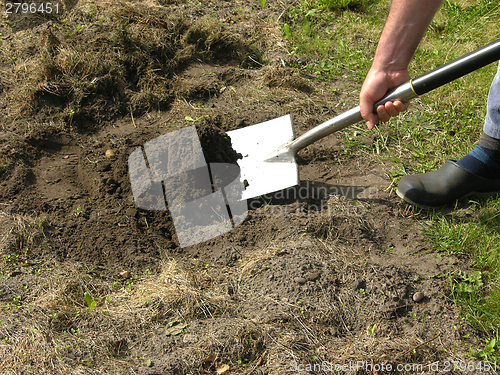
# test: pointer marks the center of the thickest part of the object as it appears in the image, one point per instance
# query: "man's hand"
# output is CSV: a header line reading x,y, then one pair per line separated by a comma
x,y
403,30
375,86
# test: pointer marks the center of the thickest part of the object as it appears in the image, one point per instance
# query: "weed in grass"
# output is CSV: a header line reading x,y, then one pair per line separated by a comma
x,y
175,328
91,304
286,30
128,286
489,350
190,119
11,258
266,204
371,331
468,283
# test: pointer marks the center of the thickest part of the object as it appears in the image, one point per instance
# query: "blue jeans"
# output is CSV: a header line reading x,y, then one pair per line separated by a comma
x,y
492,120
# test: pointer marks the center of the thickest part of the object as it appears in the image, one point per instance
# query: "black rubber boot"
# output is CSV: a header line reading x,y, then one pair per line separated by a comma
x,y
444,186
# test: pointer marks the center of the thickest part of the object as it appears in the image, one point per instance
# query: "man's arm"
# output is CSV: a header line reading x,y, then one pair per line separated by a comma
x,y
403,30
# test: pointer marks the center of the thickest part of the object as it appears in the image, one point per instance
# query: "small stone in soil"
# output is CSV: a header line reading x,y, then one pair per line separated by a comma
x,y
300,280
125,274
110,154
418,296
312,276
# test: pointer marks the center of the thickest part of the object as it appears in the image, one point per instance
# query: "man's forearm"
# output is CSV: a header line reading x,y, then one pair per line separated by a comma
x,y
404,28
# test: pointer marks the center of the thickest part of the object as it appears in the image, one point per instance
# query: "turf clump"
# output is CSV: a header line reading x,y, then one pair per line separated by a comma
x,y
122,62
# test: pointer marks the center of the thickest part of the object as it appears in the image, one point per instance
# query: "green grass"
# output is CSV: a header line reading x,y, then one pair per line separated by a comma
x,y
477,235
331,36
444,124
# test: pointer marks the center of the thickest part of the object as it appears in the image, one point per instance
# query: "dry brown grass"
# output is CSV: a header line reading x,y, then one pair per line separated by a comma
x,y
47,328
102,62
5,165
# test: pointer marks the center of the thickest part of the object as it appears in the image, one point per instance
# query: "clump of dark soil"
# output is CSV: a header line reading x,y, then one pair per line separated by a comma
x,y
215,143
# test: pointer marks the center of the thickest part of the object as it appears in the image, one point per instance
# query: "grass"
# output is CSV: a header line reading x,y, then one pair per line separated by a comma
x,y
444,124
64,307
478,236
331,38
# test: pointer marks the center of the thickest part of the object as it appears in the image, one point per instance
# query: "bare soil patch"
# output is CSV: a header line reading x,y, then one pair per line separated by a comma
x,y
323,272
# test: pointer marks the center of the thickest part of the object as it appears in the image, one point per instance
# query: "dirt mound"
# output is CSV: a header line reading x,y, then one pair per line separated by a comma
x,y
96,65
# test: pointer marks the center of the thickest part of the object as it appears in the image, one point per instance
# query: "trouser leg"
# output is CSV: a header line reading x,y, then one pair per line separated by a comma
x,y
492,120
